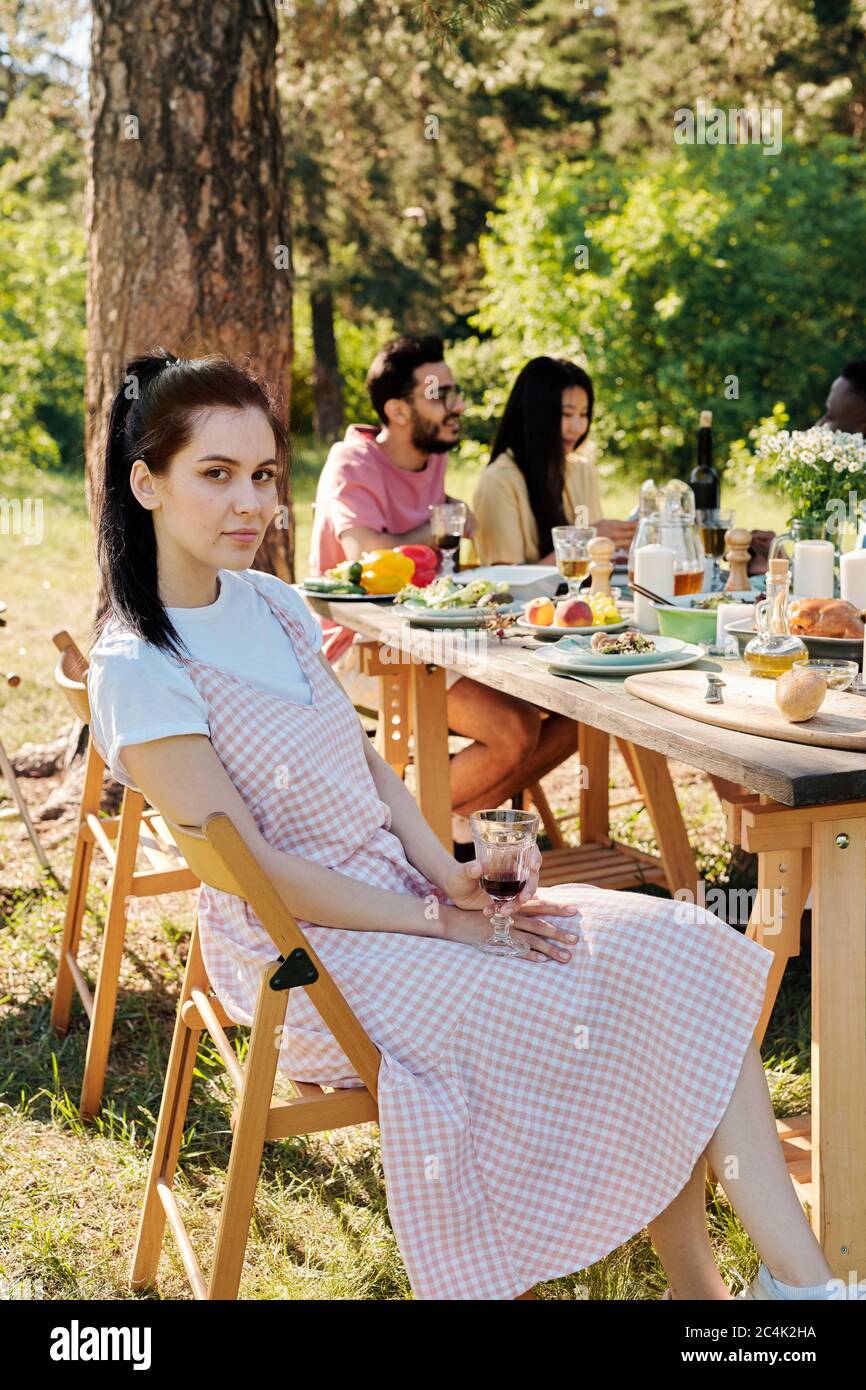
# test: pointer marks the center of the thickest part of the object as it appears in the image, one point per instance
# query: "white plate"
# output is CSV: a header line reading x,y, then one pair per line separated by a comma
x,y
452,616
692,651
551,633
350,598
515,576
580,649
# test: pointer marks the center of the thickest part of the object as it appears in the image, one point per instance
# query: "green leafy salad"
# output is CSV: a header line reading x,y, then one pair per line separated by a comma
x,y
445,593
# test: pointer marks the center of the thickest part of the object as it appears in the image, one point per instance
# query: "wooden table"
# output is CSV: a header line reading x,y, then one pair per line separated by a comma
x,y
801,810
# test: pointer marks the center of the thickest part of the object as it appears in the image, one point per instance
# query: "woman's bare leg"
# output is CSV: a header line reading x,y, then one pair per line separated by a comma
x,y
682,1242
745,1144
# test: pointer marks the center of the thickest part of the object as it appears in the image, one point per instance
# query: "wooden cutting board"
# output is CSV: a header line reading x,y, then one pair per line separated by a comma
x,y
750,708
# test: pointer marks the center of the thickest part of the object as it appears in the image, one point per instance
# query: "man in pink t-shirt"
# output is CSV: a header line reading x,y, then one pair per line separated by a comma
x,y
374,493
366,502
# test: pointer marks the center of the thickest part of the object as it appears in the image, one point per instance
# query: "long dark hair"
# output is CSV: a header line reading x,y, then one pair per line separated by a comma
x,y
531,427
152,417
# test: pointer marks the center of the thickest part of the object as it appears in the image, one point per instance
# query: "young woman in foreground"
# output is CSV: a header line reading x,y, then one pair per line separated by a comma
x,y
534,1113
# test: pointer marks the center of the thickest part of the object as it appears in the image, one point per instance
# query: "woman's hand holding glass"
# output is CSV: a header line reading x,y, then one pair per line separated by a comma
x,y
468,920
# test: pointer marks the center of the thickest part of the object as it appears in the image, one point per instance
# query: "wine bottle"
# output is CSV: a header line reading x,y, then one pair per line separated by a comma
x,y
704,480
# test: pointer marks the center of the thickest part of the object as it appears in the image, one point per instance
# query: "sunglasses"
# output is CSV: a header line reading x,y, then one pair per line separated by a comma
x,y
447,395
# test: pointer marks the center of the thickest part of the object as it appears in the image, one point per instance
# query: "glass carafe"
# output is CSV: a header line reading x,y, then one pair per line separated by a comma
x,y
646,533
678,528
800,529
774,650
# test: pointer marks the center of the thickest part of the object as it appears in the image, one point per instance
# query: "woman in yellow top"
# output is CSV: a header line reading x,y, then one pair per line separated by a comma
x,y
535,479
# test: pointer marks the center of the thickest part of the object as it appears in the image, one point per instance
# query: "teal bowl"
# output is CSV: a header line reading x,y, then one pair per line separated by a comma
x,y
680,619
689,624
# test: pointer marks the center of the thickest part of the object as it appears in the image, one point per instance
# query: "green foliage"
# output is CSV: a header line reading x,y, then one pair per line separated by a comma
x,y
715,277
357,345
744,470
42,342
450,18
42,272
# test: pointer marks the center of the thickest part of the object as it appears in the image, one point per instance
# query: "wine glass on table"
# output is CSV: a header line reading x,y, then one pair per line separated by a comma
x,y
447,523
570,546
714,523
503,845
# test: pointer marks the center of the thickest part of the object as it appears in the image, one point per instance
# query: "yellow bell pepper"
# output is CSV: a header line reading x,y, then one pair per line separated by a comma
x,y
385,571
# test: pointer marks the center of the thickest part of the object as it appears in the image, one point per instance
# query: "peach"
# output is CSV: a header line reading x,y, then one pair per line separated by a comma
x,y
573,612
539,611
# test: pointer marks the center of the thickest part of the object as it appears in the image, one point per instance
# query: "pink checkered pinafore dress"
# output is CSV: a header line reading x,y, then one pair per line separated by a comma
x,y
533,1115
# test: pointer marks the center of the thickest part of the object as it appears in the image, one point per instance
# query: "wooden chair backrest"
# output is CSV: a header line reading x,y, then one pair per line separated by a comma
x,y
218,855
70,674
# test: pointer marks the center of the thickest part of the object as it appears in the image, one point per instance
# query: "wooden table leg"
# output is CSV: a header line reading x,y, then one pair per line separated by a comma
x,y
593,746
839,1043
432,767
784,880
726,790
655,786
394,724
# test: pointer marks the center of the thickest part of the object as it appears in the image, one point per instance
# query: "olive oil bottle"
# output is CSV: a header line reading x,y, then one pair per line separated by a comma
x,y
774,649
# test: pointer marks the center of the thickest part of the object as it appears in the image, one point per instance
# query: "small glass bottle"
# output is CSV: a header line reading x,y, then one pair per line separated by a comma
x,y
774,650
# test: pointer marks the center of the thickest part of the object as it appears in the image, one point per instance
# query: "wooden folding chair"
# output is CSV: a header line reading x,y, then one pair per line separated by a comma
x,y
258,1115
219,855
119,838
21,812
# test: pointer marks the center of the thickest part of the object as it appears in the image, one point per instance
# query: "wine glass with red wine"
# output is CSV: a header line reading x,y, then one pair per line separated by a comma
x,y
503,845
447,522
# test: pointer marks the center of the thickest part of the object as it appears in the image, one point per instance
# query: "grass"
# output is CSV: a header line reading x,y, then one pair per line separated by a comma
x,y
70,1191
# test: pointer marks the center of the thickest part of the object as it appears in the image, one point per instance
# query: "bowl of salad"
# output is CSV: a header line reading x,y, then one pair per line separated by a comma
x,y
449,603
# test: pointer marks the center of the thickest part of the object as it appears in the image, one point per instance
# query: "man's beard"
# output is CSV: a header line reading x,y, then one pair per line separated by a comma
x,y
425,435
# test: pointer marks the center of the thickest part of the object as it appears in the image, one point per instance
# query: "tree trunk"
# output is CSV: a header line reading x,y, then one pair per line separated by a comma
x,y
327,383
187,216
329,419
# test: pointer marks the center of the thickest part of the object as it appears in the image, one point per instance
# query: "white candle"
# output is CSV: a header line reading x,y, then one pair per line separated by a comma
x,y
813,569
852,571
728,613
654,568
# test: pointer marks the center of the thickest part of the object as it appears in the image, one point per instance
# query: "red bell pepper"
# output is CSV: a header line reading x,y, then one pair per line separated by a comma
x,y
426,561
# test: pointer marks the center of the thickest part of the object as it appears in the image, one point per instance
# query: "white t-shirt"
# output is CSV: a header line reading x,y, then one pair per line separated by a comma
x,y
139,692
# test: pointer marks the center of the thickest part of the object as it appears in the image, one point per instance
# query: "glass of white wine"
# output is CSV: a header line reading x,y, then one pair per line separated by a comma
x,y
570,545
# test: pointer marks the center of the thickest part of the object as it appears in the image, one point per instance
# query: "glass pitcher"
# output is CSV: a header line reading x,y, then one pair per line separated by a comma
x,y
774,649
799,529
646,533
678,528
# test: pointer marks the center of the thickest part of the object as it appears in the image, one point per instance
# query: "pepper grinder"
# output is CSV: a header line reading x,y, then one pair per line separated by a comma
x,y
600,550
737,542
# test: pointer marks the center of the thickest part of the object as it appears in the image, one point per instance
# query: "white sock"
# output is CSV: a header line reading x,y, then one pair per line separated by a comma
x,y
795,1291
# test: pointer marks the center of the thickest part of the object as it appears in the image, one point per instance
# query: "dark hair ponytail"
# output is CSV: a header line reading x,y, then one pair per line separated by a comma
x,y
531,427
152,418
